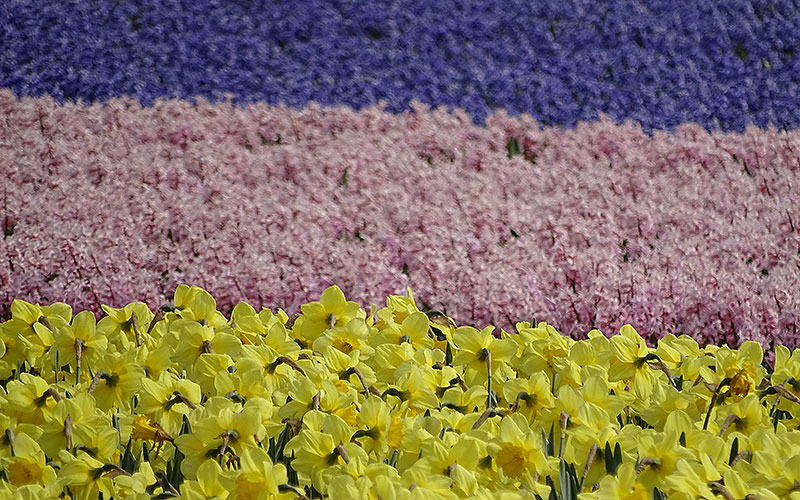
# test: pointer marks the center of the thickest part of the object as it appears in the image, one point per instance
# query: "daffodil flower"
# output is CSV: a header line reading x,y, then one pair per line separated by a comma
x,y
352,336
623,486
116,381
87,477
211,482
78,344
126,325
414,329
658,459
529,395
517,451
27,465
195,304
629,357
482,355
30,399
374,420
744,417
332,310
168,399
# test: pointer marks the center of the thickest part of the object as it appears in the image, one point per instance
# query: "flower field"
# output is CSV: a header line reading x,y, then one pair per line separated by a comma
x,y
214,214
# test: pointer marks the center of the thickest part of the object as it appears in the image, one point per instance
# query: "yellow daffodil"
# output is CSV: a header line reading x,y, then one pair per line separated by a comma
x,y
196,304
115,382
67,415
623,486
414,329
86,477
374,422
410,390
352,336
479,349
457,460
27,465
658,459
78,344
211,483
30,399
30,331
127,325
138,485
629,357
167,400
332,310
742,417
529,395
517,451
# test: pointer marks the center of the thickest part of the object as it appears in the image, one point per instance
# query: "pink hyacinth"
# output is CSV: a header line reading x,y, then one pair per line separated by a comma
x,y
684,232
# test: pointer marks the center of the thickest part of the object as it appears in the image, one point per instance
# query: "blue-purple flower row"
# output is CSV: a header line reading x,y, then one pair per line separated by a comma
x,y
723,64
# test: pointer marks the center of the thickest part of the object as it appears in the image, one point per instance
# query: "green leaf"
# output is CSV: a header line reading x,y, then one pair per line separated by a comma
x,y
734,450
127,462
513,148
612,460
569,481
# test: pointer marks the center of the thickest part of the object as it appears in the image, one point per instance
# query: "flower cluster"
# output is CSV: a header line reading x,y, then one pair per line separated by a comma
x,y
724,65
395,403
685,232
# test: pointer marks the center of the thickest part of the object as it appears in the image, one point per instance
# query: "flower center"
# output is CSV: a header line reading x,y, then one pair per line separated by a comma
x,y
343,345
511,458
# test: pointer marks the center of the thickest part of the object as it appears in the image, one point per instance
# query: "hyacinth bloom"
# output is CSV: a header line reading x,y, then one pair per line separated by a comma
x,y
657,62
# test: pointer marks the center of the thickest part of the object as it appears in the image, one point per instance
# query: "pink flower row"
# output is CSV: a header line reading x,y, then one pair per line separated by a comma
x,y
684,231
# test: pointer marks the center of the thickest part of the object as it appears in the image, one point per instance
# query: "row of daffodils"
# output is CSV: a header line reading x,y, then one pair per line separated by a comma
x,y
396,403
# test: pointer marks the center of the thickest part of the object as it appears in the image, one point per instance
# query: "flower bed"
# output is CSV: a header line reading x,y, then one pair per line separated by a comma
x,y
685,232
395,403
724,65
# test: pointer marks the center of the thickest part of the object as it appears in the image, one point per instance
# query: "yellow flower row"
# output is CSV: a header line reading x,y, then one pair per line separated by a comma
x,y
395,403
